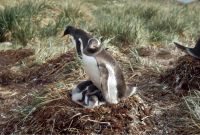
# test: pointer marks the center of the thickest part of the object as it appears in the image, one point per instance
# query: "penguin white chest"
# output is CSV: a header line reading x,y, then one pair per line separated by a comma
x,y
91,69
111,86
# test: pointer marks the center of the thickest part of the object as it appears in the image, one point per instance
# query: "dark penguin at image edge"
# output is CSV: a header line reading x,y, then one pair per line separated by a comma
x,y
194,52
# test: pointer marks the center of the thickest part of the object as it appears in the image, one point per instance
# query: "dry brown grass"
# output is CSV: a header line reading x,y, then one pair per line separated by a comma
x,y
184,76
46,72
50,109
35,90
61,116
58,114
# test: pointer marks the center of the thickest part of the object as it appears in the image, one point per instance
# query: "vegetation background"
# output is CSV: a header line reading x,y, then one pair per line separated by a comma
x,y
139,33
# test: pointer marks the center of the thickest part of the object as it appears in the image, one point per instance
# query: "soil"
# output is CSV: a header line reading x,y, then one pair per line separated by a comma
x,y
155,110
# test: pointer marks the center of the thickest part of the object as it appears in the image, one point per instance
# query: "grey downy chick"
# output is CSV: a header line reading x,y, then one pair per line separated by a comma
x,y
87,95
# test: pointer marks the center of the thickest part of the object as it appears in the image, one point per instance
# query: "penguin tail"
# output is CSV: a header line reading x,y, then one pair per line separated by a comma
x,y
130,91
181,47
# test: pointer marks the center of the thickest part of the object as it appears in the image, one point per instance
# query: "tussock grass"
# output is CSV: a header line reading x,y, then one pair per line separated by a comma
x,y
193,104
48,48
129,22
114,22
18,20
142,22
69,14
23,23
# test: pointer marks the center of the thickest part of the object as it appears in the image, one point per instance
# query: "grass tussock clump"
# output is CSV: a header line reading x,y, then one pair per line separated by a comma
x,y
184,76
193,105
68,13
115,22
29,20
142,22
17,21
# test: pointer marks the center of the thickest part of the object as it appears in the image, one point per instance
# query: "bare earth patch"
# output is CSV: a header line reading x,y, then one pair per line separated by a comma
x,y
155,109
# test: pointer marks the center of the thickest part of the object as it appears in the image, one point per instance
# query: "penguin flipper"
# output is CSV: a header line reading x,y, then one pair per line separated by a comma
x,y
181,47
109,93
103,79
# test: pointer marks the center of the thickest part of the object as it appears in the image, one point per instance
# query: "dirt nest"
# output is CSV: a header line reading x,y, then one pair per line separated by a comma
x,y
38,74
62,116
184,76
10,57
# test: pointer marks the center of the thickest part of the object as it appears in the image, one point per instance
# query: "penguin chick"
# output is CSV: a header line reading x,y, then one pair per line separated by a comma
x,y
112,81
93,97
78,93
87,95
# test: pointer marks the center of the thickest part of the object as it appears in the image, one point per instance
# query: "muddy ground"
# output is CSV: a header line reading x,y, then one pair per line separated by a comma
x,y
156,109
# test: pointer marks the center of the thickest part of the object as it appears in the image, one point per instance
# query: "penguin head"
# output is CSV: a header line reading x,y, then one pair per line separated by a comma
x,y
69,30
79,37
94,46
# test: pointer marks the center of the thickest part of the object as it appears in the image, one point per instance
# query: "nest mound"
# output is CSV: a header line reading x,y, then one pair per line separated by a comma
x,y
43,73
59,115
10,57
62,116
184,76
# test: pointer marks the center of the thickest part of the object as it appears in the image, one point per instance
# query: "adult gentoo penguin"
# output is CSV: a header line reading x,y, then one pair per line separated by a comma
x,y
194,52
102,68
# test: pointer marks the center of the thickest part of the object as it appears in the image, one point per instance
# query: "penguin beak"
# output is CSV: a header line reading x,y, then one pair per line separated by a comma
x,y
65,33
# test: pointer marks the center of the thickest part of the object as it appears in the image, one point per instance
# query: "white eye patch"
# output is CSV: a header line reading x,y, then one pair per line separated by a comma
x,y
91,40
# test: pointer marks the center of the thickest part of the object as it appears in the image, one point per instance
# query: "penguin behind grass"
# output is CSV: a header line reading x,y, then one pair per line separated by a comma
x,y
102,69
194,52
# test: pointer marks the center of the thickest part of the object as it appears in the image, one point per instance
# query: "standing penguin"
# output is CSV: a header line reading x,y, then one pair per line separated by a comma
x,y
102,68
